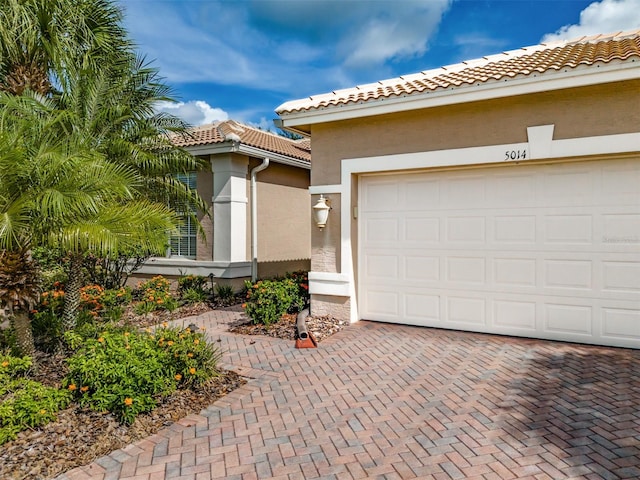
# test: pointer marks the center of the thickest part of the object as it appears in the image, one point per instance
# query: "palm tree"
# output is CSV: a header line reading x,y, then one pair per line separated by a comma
x,y
57,189
76,55
45,42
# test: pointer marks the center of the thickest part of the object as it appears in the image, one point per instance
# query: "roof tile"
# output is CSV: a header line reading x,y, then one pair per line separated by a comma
x,y
229,130
526,61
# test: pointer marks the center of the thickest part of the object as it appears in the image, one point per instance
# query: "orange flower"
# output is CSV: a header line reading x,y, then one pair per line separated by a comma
x,y
84,389
128,401
126,334
192,371
72,387
5,364
190,355
160,301
178,377
196,341
170,342
101,340
244,305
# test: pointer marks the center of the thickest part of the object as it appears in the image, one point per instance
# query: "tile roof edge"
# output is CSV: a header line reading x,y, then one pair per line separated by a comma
x,y
294,106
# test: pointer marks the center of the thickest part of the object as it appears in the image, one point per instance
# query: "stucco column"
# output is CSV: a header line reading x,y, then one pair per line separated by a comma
x,y
230,208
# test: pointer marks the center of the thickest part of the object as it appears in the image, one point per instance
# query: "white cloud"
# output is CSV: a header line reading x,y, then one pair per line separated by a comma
x,y
607,16
282,46
194,113
401,32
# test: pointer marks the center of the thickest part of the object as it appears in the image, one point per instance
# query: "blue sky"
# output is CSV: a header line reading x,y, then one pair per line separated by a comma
x,y
240,59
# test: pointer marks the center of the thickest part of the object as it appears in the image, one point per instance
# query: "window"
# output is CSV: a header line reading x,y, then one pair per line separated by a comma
x,y
184,244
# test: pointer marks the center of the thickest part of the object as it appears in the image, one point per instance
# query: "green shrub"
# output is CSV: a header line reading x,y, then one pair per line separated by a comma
x,y
193,295
268,300
224,292
192,282
127,372
25,403
46,323
155,295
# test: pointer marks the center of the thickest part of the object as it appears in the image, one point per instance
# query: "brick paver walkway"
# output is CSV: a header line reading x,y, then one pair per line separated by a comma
x,y
396,402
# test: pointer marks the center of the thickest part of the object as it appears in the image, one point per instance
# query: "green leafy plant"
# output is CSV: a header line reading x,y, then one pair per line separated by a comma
x,y
127,372
192,282
224,292
268,300
25,403
46,323
193,295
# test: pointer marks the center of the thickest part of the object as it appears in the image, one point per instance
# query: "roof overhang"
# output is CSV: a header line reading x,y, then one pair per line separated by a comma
x,y
240,148
616,71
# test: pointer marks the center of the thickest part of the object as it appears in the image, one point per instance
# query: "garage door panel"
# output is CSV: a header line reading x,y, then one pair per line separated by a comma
x,y
464,191
422,307
568,229
568,274
422,229
519,272
418,193
621,229
515,316
621,323
422,268
384,267
466,270
381,230
555,261
621,276
520,229
466,229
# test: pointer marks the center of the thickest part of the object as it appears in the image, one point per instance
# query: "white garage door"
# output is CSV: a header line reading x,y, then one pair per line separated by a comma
x,y
545,251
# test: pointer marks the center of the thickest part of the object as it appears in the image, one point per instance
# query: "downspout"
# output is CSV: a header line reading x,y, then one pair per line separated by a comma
x,y
254,219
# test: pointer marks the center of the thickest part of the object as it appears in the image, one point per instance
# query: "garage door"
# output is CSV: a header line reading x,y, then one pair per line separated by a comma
x,y
545,251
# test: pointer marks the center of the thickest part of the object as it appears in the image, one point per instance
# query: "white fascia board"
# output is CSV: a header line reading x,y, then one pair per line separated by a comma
x,y
506,87
222,148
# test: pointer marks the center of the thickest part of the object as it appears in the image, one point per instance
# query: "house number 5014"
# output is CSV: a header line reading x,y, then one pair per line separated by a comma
x,y
515,155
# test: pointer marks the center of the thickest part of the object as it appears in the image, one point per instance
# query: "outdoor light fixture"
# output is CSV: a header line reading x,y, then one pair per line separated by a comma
x,y
321,212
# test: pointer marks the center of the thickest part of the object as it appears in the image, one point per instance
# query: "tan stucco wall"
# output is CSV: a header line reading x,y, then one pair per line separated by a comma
x,y
581,112
284,219
284,214
204,247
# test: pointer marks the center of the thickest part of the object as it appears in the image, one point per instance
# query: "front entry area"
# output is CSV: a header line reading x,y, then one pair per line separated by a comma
x,y
547,251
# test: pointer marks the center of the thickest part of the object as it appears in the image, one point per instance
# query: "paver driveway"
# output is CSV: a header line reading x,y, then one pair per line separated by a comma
x,y
397,402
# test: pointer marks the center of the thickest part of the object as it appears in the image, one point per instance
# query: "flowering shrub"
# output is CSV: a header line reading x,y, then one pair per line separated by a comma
x,y
127,372
25,403
155,295
91,300
268,300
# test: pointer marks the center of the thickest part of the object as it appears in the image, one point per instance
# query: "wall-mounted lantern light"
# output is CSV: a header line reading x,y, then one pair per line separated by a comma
x,y
321,212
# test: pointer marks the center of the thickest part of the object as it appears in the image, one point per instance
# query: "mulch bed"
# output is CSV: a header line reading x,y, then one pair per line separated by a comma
x,y
320,327
79,435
